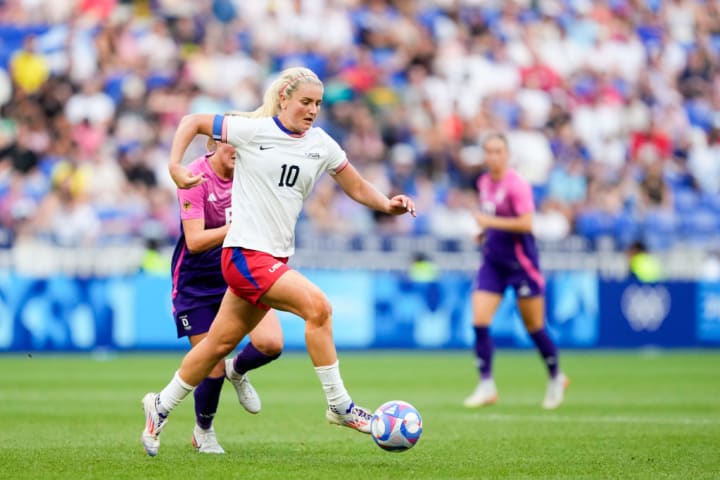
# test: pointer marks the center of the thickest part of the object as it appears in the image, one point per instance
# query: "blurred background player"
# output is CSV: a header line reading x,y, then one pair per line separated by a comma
x,y
199,286
510,259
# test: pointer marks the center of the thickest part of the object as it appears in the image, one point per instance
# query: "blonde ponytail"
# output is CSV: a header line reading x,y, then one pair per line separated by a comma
x,y
285,85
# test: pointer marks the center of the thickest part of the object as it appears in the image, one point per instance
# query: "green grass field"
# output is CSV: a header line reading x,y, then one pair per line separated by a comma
x,y
627,415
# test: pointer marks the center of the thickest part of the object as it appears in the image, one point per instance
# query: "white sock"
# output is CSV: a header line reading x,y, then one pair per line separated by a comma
x,y
334,388
173,393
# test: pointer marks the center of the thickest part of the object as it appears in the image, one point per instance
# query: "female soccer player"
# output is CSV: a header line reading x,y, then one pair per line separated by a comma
x,y
199,286
510,258
280,157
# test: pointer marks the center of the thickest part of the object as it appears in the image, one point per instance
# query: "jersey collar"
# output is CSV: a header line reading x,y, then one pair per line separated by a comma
x,y
289,132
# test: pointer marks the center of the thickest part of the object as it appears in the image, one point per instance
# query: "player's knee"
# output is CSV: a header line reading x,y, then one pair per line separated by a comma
x,y
534,323
318,312
270,346
224,348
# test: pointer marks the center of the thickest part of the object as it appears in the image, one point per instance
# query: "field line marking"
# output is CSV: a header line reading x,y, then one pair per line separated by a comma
x,y
598,419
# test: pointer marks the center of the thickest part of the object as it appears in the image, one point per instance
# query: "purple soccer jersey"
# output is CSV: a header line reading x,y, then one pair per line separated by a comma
x,y
197,277
510,259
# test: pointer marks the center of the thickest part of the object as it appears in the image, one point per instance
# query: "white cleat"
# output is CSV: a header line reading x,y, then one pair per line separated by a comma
x,y
246,393
357,418
154,423
205,441
555,392
485,394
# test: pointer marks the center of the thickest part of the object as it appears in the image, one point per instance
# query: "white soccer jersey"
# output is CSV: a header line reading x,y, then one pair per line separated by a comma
x,y
274,173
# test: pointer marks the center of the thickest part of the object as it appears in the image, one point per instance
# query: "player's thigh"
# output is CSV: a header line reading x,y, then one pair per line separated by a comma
x,y
484,306
195,339
267,336
532,311
235,319
294,293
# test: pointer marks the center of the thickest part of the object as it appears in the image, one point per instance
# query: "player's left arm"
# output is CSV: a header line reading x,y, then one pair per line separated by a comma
x,y
364,192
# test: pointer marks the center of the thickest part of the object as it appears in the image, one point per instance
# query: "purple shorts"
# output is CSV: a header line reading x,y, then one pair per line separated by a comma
x,y
195,321
494,277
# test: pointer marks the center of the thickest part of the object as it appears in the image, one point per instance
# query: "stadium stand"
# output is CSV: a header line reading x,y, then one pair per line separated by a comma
x,y
592,94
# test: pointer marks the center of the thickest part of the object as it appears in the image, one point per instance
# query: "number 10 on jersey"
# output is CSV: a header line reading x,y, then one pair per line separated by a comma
x,y
289,175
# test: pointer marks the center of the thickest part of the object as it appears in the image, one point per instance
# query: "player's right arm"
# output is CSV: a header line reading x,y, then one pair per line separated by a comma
x,y
519,224
193,203
190,125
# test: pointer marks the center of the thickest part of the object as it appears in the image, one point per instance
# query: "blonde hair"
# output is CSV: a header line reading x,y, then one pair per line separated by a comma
x,y
286,84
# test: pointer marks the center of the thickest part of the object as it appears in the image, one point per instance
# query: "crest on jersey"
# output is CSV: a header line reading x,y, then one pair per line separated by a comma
x,y
186,205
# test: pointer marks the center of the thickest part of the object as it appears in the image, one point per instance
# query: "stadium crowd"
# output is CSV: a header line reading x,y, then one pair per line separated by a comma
x,y
612,109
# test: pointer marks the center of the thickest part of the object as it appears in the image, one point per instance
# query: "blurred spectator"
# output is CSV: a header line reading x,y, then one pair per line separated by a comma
x,y
567,191
403,168
704,162
422,269
17,205
328,213
364,143
91,106
99,9
65,215
28,69
644,266
697,76
595,98
551,222
654,193
652,144
532,156
154,262
454,217
5,87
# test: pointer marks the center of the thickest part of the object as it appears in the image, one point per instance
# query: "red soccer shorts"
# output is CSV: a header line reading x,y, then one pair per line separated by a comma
x,y
250,273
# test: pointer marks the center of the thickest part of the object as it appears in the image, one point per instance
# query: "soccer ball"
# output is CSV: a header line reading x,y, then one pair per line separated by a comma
x,y
396,426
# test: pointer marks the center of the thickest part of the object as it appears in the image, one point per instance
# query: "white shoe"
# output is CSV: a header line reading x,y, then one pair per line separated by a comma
x,y
246,393
555,391
205,441
356,417
154,423
485,394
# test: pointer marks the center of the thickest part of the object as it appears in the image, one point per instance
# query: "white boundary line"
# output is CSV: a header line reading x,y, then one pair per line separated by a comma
x,y
500,417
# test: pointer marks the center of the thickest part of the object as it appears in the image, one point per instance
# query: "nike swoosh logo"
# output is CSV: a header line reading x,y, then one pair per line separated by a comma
x,y
263,147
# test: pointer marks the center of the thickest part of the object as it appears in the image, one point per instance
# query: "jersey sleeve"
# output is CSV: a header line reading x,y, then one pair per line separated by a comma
x,y
237,130
192,202
336,157
521,197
